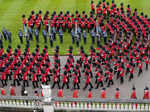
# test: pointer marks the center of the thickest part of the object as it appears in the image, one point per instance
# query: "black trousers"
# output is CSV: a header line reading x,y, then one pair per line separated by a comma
x,y
35,84
146,66
61,39
51,43
121,80
67,84
93,40
84,40
127,71
25,83
140,71
45,39
30,36
73,40
76,85
55,84
8,77
37,39
16,81
86,85
111,82
4,82
99,83
118,74
21,40
131,76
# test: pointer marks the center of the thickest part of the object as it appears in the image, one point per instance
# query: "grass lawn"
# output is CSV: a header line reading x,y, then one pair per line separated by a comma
x,y
12,10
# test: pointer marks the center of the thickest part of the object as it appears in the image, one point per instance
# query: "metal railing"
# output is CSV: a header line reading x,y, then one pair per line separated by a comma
x,y
101,105
31,103
20,102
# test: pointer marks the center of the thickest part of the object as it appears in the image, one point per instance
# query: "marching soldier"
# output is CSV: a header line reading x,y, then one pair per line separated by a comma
x,y
77,40
20,34
45,36
98,39
36,33
88,82
93,36
30,33
61,35
4,32
54,32
51,39
105,36
84,36
73,36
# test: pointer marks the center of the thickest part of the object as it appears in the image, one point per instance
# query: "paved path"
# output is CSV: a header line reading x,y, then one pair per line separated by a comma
x,y
125,89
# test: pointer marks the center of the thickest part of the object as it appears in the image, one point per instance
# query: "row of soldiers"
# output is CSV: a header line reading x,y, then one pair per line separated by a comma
x,y
6,35
75,94
47,36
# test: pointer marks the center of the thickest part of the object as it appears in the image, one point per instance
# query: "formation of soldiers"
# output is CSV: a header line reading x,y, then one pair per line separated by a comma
x,y
118,58
113,61
75,94
104,21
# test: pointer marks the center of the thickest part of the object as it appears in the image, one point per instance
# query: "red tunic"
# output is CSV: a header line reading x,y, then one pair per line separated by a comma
x,y
3,92
75,94
60,93
146,94
12,91
90,94
103,94
117,95
133,94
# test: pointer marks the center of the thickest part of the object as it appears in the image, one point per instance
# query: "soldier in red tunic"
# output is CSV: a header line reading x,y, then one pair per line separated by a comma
x,y
88,82
117,93
75,93
146,93
60,93
3,91
90,94
133,93
12,91
103,93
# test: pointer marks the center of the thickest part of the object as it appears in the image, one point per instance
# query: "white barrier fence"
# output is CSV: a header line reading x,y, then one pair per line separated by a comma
x,y
33,103
13,102
102,105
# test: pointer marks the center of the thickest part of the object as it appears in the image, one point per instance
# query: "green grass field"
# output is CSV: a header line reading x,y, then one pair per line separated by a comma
x,y
12,10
